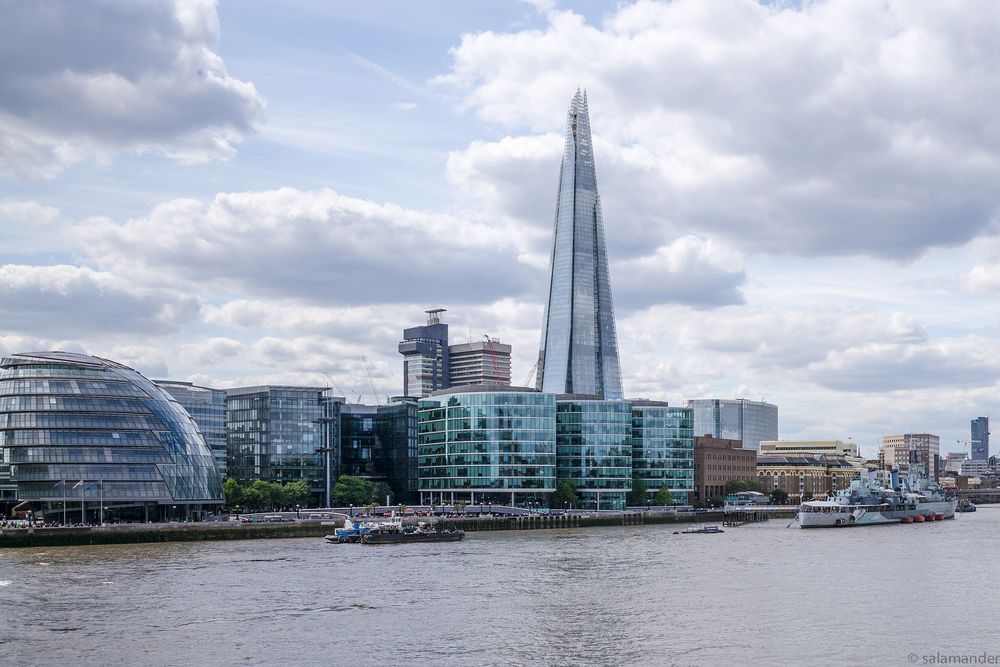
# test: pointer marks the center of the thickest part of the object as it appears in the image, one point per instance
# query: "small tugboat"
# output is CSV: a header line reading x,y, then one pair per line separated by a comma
x,y
699,530
350,533
966,505
395,533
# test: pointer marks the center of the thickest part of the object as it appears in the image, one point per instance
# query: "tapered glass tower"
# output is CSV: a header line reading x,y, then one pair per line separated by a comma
x,y
579,350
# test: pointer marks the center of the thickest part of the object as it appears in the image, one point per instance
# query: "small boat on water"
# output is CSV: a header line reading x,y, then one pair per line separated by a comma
x,y
391,532
966,505
699,530
411,534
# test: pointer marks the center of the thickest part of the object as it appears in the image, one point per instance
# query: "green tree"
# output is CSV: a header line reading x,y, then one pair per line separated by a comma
x,y
740,485
779,496
566,495
351,490
460,506
233,491
637,496
664,497
297,493
716,501
379,491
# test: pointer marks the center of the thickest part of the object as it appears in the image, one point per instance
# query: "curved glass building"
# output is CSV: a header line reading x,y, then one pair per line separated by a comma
x,y
487,444
83,435
663,448
594,449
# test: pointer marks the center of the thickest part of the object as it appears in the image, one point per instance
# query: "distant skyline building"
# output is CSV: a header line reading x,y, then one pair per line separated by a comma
x,y
479,362
207,407
980,444
918,451
431,364
741,419
579,346
425,356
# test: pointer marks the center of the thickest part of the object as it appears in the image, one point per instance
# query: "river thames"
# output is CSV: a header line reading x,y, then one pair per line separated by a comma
x,y
758,594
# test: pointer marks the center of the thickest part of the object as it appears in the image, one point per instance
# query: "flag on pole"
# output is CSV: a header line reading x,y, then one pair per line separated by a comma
x,y
61,482
78,484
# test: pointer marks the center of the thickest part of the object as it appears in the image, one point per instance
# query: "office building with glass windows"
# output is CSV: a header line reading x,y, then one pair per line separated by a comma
x,y
579,347
594,449
487,444
663,448
425,356
86,437
980,441
738,419
279,434
379,443
208,409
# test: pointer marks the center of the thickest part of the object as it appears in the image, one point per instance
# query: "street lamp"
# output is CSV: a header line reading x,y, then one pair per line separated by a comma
x,y
173,516
298,508
352,510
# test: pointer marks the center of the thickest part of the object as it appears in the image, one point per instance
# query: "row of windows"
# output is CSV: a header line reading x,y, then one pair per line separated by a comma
x,y
78,420
85,387
71,473
61,437
72,404
488,459
87,455
487,483
110,491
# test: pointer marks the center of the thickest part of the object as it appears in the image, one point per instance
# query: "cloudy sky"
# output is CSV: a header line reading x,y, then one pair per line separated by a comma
x,y
800,199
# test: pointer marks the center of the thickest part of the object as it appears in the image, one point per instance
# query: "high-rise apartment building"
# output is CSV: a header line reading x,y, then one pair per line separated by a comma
x,y
750,422
425,356
208,409
917,451
980,439
579,346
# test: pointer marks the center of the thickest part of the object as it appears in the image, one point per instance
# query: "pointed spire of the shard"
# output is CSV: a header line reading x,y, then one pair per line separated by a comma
x,y
579,349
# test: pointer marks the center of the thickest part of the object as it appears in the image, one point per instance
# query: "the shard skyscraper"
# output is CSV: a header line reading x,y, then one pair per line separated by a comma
x,y
579,350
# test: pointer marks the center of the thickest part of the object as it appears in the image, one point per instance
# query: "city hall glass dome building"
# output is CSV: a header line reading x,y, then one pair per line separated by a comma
x,y
81,435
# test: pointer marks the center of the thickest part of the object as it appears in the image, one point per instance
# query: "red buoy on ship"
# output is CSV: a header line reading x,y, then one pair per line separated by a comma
x,y
906,519
919,518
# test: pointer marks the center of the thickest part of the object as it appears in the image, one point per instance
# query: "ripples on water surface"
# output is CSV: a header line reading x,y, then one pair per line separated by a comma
x,y
762,594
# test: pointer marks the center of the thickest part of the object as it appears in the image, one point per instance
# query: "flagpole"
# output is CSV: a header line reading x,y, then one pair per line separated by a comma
x,y
101,483
64,502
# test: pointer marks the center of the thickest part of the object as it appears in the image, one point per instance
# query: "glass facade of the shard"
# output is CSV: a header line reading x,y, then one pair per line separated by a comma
x,y
579,348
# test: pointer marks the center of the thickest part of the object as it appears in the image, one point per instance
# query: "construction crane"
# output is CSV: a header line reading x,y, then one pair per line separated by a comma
x,y
493,358
531,373
370,380
333,384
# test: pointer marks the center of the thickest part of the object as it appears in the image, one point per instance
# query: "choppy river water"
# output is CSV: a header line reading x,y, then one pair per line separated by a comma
x,y
759,594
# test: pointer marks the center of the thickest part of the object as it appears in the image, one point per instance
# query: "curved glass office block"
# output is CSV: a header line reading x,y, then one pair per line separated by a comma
x,y
75,428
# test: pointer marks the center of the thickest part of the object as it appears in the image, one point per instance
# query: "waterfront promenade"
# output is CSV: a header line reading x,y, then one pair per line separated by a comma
x,y
238,530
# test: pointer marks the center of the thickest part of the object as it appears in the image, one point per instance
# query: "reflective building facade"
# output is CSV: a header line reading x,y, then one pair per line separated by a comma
x,y
379,443
737,419
425,356
579,347
980,441
208,409
279,434
487,443
594,449
79,430
663,448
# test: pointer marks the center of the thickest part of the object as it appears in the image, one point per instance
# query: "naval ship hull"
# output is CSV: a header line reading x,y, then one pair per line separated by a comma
x,y
843,516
